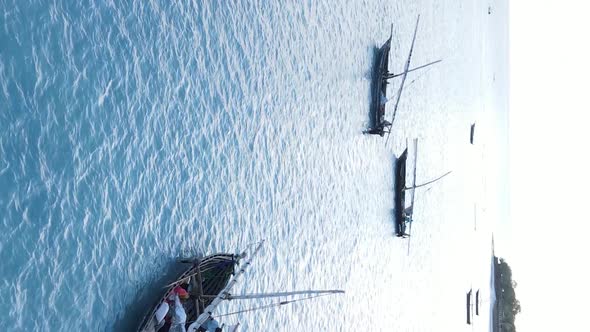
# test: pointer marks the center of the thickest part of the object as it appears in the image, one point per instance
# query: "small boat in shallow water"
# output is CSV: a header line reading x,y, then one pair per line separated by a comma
x,y
379,90
403,210
206,276
379,125
203,287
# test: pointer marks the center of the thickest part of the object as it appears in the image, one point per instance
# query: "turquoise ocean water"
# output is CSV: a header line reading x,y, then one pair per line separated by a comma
x,y
136,132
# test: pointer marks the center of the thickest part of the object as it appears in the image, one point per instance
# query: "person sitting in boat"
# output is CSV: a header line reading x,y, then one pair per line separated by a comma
x,y
211,325
178,321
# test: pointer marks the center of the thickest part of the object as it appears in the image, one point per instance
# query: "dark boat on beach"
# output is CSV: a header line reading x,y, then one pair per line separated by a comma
x,y
400,194
205,277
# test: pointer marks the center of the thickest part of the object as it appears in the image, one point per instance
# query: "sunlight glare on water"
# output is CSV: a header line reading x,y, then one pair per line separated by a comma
x,y
134,132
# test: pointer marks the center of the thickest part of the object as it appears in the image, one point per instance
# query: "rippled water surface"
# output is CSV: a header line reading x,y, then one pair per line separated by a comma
x,y
136,132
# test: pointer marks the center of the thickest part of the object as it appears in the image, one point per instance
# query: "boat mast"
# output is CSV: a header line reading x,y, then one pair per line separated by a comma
x,y
405,73
429,182
224,294
416,68
391,33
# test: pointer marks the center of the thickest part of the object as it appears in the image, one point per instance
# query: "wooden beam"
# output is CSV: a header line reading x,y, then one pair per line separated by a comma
x,y
197,289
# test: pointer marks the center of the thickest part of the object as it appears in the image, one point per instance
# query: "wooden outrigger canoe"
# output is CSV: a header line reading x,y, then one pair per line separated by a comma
x,y
379,125
404,212
400,194
379,90
207,276
208,282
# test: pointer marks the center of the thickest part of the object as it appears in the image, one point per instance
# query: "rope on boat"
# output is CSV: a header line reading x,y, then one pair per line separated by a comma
x,y
429,182
423,73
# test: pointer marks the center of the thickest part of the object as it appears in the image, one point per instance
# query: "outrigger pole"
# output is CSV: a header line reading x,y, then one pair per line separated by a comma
x,y
280,294
429,182
278,304
390,34
414,69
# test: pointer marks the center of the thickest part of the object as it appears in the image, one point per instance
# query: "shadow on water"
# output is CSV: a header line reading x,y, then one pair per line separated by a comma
x,y
148,296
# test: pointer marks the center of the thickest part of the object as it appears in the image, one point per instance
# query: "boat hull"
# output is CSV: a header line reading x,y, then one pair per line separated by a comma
x,y
214,271
400,193
379,89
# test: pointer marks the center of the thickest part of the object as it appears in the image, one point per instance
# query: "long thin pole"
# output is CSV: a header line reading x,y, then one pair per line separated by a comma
x,y
277,304
405,73
429,182
417,68
282,294
391,33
